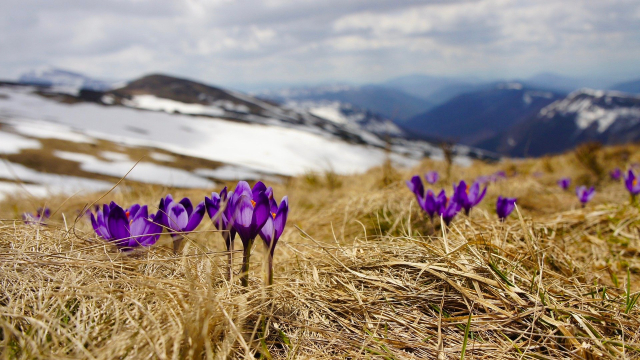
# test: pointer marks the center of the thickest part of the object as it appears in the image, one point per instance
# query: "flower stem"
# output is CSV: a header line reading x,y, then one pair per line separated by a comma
x,y
270,269
230,260
177,241
246,255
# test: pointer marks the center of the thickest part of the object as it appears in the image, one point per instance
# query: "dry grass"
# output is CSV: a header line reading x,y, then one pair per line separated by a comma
x,y
359,274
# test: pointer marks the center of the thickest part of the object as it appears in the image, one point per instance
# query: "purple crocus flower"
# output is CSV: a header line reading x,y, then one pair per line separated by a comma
x,y
433,204
273,227
564,183
585,195
250,213
468,196
615,174
504,207
124,230
415,185
221,213
432,177
449,210
483,179
631,183
498,175
180,217
39,218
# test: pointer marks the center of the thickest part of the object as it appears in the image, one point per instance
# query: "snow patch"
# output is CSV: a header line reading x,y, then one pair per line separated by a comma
x,y
13,144
145,172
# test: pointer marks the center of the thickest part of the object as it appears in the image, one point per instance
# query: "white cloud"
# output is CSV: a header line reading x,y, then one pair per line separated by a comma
x,y
228,42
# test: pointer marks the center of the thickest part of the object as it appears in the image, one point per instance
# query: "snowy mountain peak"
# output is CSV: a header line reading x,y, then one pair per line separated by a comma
x,y
601,107
50,76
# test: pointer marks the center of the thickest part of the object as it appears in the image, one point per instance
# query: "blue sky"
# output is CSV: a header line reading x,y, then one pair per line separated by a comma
x,y
231,42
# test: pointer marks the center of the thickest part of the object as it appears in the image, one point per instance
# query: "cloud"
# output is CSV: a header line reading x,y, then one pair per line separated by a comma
x,y
251,41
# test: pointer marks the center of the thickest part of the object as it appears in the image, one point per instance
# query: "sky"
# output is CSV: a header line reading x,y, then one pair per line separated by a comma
x,y
240,42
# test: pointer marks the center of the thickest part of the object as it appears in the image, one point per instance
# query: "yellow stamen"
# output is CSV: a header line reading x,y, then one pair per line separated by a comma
x,y
274,215
253,203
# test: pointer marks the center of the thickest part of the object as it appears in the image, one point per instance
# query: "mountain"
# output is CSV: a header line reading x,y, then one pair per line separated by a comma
x,y
349,114
187,134
474,117
388,102
48,76
564,84
631,87
428,87
585,115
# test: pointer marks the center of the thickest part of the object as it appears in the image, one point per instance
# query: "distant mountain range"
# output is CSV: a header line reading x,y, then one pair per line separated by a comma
x,y
391,103
509,118
585,115
474,117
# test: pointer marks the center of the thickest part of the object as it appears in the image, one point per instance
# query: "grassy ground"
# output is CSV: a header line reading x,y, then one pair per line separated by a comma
x,y
360,273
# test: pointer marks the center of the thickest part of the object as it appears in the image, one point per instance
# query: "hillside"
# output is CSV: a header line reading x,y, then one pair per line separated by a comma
x,y
359,273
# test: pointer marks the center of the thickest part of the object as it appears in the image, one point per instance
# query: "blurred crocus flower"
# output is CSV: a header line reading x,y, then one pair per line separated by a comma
x,y
468,196
125,229
416,187
221,213
39,218
615,174
433,204
251,211
498,175
631,183
504,207
432,177
449,210
585,195
483,179
564,183
180,217
274,227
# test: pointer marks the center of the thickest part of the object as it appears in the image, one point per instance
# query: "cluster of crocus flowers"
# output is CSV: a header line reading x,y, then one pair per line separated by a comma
x,y
39,218
464,197
585,194
504,207
468,196
631,183
127,229
246,212
564,183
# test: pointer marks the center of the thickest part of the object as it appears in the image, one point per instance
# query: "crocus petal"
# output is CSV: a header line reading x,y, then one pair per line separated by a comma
x,y
178,217
118,224
196,217
480,197
415,185
212,206
260,213
186,203
258,188
280,220
242,217
267,233
133,210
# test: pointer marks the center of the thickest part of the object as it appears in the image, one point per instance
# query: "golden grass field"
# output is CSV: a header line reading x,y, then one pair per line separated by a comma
x,y
359,273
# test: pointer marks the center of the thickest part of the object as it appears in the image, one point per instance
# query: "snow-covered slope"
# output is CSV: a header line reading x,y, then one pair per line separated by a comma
x,y
188,134
608,117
